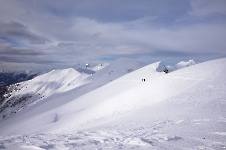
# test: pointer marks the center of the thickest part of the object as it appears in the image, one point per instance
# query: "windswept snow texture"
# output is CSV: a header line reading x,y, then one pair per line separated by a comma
x,y
185,109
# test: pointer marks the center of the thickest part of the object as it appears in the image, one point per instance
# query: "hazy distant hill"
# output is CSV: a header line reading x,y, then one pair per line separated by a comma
x,y
11,77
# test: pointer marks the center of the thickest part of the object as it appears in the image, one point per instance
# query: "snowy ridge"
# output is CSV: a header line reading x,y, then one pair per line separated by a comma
x,y
89,69
83,69
129,96
184,109
56,81
99,67
24,94
115,70
27,93
181,65
161,67
36,71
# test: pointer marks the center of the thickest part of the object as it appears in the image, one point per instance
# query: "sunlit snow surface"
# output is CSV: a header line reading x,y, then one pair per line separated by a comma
x,y
185,109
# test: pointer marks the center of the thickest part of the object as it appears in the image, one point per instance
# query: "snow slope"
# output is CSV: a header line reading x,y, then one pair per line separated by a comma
x,y
184,109
60,81
115,70
55,81
27,93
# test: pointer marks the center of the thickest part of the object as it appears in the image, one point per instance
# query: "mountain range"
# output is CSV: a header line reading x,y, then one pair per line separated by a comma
x,y
114,108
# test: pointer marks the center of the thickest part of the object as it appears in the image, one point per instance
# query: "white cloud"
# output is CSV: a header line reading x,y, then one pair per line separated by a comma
x,y
205,8
83,36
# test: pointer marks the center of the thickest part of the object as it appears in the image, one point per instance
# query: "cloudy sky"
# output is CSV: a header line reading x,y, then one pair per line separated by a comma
x,y
60,33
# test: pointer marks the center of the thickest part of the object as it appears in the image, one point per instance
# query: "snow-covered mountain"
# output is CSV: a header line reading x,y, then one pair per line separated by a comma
x,y
99,67
115,109
115,70
181,65
83,69
24,94
12,77
89,69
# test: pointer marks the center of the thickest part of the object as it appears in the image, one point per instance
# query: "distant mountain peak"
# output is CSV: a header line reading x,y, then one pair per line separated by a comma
x,y
161,67
99,66
12,77
181,65
88,68
83,68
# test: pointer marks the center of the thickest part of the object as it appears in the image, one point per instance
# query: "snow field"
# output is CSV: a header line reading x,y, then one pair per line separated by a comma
x,y
134,97
185,109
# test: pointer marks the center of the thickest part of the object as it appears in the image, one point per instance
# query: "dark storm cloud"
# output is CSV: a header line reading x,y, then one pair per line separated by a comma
x,y
27,60
8,49
20,51
15,29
